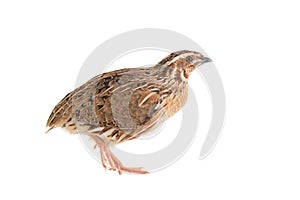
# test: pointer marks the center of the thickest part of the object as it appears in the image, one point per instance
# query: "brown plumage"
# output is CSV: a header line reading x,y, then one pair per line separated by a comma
x,y
121,105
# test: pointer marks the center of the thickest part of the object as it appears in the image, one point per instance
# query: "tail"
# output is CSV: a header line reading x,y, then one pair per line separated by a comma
x,y
61,113
49,129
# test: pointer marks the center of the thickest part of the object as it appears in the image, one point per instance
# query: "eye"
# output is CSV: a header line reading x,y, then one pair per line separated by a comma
x,y
189,59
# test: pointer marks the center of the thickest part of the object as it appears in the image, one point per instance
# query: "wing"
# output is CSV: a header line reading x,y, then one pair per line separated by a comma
x,y
146,110
80,105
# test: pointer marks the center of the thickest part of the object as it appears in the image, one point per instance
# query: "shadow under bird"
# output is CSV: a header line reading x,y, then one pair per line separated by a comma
x,y
124,104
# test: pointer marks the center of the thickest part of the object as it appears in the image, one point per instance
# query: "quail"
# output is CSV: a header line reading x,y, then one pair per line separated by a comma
x,y
124,104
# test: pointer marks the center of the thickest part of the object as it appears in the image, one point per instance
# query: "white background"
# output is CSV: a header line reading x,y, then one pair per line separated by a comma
x,y
255,46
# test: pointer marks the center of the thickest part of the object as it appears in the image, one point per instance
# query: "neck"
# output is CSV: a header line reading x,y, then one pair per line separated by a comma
x,y
169,75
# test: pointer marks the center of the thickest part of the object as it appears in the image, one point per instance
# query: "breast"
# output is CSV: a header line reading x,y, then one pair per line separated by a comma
x,y
175,101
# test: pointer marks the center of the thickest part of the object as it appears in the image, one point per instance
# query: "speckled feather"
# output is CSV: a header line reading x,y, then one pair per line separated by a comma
x,y
126,102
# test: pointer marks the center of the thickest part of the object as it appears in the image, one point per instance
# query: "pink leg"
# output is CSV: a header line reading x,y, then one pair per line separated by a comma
x,y
108,157
103,152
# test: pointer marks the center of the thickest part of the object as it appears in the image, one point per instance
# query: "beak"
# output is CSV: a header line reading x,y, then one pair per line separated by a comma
x,y
206,59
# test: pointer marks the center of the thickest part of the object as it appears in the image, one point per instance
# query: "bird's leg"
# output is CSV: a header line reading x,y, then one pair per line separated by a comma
x,y
105,156
108,157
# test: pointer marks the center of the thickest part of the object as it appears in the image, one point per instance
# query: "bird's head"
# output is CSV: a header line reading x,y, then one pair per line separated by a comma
x,y
184,62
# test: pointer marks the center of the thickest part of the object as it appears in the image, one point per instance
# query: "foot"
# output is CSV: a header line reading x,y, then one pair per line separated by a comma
x,y
107,157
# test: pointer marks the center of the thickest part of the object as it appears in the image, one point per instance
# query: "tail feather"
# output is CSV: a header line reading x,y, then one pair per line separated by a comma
x,y
49,129
61,113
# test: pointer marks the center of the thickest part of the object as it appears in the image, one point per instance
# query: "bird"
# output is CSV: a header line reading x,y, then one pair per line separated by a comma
x,y
121,105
